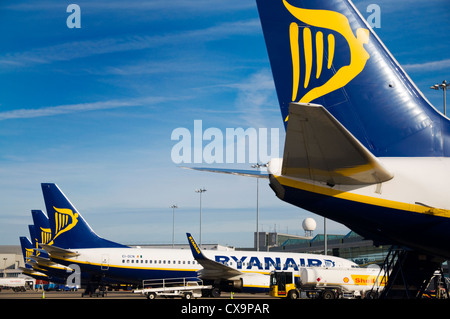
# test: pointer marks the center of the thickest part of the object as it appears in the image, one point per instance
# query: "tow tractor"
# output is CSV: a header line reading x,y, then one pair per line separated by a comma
x,y
186,288
325,283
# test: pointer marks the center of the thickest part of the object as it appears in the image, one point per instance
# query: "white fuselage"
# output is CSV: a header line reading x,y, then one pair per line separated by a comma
x,y
417,181
138,264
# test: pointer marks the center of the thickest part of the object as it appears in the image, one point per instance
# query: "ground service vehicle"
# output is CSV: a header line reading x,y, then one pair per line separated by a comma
x,y
326,283
173,287
17,284
284,284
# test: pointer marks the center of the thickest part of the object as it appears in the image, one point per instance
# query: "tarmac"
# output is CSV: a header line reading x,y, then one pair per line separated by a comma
x,y
126,303
29,294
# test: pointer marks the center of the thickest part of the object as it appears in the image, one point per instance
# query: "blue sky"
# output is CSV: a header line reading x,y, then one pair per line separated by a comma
x,y
93,109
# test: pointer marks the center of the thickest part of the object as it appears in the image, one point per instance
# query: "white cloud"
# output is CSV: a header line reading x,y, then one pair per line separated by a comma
x,y
428,66
81,49
255,96
143,5
81,107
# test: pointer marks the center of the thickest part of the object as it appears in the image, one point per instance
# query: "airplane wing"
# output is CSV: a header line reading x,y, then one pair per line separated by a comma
x,y
240,172
211,269
319,148
58,252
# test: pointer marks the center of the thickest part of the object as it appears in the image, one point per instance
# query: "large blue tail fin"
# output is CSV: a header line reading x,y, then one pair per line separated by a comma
x,y
68,227
324,52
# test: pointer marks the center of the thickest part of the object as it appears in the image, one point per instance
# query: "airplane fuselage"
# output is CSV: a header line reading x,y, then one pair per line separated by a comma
x,y
414,202
133,265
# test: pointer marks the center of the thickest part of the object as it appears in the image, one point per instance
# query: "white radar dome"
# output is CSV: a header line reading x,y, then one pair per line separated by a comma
x,y
309,224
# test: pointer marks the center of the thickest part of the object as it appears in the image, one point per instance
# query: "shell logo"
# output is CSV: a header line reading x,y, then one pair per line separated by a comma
x,y
346,280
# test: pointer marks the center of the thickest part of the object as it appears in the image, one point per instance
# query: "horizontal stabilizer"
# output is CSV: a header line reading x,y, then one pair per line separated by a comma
x,y
48,263
211,269
240,172
58,252
319,148
33,273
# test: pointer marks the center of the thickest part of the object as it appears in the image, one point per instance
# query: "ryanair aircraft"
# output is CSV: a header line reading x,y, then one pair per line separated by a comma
x,y
30,268
73,242
39,259
363,146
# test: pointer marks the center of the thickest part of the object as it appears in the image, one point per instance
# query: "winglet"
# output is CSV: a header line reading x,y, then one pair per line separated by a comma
x,y
211,269
196,251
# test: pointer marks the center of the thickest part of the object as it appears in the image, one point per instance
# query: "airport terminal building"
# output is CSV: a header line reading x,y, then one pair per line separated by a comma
x,y
349,246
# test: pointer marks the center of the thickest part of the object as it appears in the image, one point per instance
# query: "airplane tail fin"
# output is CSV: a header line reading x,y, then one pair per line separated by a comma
x,y
41,227
33,236
27,250
324,52
68,228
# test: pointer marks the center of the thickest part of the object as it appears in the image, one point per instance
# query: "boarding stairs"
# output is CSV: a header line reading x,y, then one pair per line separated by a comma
x,y
405,274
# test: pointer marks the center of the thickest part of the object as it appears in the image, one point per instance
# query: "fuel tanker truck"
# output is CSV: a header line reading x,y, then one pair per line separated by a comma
x,y
327,283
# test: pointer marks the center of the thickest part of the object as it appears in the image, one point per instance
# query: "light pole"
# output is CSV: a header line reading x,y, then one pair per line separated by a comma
x,y
325,246
200,191
173,224
257,166
444,85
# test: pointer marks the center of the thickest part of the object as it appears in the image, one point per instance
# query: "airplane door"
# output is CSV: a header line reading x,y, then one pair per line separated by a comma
x,y
105,262
281,284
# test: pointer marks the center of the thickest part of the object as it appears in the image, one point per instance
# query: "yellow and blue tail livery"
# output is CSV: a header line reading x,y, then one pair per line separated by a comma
x,y
324,52
43,232
68,228
363,145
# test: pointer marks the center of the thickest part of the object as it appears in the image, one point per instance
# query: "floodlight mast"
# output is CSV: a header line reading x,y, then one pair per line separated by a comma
x,y
444,85
200,191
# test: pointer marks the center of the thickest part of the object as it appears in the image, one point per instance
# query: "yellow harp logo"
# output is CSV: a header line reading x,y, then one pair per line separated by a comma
x,y
28,254
65,220
333,21
46,235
